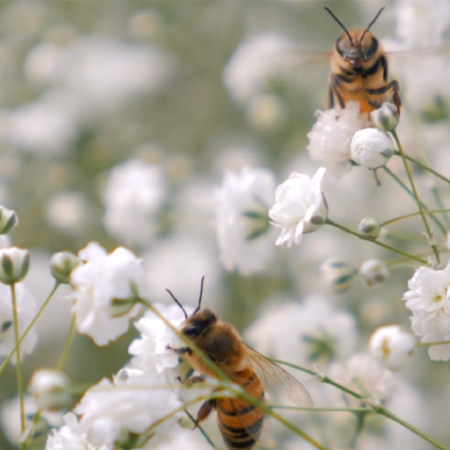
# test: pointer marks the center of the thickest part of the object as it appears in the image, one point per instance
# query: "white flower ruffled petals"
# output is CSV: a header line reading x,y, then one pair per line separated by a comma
x,y
104,292
371,148
300,207
428,298
392,346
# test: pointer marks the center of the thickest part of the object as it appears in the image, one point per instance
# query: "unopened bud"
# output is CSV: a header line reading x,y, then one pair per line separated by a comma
x,y
8,219
14,263
51,389
373,272
338,273
61,266
371,148
385,118
370,227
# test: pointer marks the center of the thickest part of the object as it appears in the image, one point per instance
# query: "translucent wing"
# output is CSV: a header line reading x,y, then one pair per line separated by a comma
x,y
278,383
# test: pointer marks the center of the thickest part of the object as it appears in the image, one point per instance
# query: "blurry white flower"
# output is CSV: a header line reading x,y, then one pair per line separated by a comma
x,y
150,353
373,272
338,273
113,411
50,388
392,346
370,227
300,207
14,264
371,148
254,64
8,220
41,63
133,198
145,23
331,136
243,231
61,266
266,112
312,332
104,290
68,211
188,439
26,310
385,118
428,298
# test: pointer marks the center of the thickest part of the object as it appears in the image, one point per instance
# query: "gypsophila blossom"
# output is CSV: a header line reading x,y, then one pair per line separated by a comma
x,y
50,388
26,310
150,352
104,292
133,197
338,273
370,227
299,207
243,231
385,118
428,298
371,148
114,411
331,136
392,346
14,264
373,272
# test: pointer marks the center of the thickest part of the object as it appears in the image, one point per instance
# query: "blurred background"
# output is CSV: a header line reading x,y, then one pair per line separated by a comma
x,y
118,120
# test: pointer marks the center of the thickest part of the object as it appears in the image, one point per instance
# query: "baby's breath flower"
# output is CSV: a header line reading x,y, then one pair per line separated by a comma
x,y
61,266
338,273
371,148
370,227
373,272
300,207
392,346
14,263
385,118
50,388
8,220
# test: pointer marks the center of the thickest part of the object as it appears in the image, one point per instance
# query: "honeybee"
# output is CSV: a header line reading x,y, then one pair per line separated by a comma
x,y
239,421
359,70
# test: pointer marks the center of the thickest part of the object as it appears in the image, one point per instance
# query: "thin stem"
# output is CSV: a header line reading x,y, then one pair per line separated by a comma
x,y
381,244
358,430
208,439
30,326
440,203
19,362
414,214
403,185
430,344
66,348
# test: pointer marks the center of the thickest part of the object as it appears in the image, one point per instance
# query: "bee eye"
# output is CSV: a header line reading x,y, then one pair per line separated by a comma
x,y
192,330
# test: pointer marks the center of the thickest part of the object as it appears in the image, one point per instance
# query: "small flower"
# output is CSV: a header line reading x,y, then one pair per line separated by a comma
x,y
61,266
105,290
300,207
14,263
8,220
338,273
373,272
385,118
428,298
331,136
371,148
50,388
392,346
370,227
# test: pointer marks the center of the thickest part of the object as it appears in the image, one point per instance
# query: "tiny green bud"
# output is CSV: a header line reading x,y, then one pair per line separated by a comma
x,y
385,118
14,263
8,219
373,272
51,389
61,266
370,227
338,273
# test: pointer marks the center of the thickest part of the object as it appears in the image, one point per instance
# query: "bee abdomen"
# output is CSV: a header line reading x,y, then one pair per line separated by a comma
x,y
242,437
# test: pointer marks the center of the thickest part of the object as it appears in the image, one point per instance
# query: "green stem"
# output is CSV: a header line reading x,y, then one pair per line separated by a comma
x,y
359,428
414,214
408,191
208,439
19,362
30,326
66,348
381,244
429,344
440,203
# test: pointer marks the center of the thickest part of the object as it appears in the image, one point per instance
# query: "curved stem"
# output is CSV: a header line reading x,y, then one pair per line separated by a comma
x,y
381,244
430,344
66,348
414,214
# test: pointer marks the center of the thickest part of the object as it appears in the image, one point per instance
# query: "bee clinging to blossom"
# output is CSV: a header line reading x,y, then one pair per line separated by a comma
x,y
359,70
239,421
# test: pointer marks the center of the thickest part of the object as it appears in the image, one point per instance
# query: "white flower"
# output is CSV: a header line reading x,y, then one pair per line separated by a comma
x,y
392,346
50,388
331,136
26,310
68,211
371,148
243,231
385,118
14,264
104,290
133,198
300,207
150,353
338,273
8,219
112,411
428,299
373,272
61,266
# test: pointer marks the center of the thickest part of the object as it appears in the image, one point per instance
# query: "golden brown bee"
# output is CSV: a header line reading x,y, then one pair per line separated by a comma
x,y
239,421
359,70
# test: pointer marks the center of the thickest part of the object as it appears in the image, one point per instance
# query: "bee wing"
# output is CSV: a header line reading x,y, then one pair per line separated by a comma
x,y
278,383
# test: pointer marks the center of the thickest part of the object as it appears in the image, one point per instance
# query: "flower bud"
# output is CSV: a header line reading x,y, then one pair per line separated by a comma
x,y
51,389
14,263
370,227
373,272
385,118
8,219
392,346
338,273
371,148
61,266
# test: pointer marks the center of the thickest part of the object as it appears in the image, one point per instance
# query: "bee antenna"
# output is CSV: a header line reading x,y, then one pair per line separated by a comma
x,y
342,25
371,23
178,303
200,297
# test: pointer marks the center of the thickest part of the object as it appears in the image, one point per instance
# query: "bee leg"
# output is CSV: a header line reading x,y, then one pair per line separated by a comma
x,y
180,351
335,93
195,379
204,411
382,90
